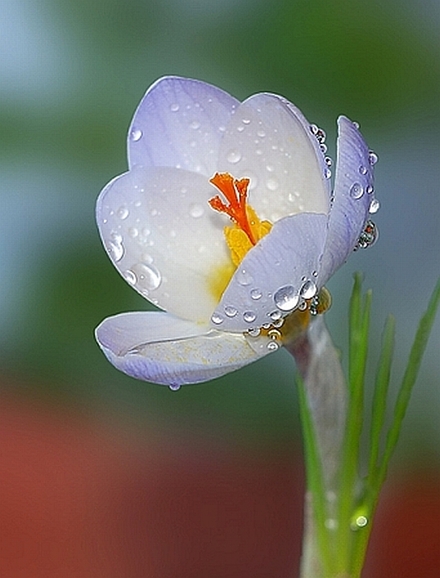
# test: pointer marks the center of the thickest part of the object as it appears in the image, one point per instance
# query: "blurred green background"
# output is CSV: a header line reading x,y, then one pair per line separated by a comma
x,y
71,74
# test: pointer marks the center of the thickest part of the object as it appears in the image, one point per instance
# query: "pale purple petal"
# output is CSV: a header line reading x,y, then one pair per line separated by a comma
x,y
274,275
270,142
160,348
353,195
179,123
164,238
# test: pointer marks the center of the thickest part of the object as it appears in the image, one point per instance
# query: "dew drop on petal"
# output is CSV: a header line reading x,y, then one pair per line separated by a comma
x,y
246,120
148,276
363,170
196,210
130,277
230,311
275,315
136,134
116,247
272,346
256,294
123,212
174,107
133,232
216,318
285,298
233,156
254,332
261,133
372,158
374,206
195,124
369,189
174,386
356,191
249,316
244,277
308,290
327,173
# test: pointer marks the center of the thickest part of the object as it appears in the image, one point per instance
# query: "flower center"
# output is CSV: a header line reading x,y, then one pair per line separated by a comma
x,y
247,228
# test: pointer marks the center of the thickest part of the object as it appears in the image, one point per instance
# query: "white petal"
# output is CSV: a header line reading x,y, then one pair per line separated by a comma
x,y
353,195
179,123
160,348
269,141
269,280
164,238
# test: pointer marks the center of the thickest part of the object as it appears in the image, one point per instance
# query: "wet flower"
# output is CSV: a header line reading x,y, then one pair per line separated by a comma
x,y
226,220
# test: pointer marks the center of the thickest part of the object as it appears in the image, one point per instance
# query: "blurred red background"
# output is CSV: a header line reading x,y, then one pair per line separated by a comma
x,y
80,499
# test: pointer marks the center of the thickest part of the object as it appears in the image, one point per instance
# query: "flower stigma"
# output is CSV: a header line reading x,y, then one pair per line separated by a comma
x,y
247,229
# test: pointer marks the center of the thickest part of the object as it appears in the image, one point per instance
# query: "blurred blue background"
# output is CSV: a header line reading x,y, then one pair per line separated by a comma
x,y
71,74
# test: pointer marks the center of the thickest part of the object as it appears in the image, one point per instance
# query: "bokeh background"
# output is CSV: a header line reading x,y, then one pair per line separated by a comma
x,y
103,476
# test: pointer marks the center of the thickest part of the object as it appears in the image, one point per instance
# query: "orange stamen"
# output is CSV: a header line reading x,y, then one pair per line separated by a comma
x,y
235,192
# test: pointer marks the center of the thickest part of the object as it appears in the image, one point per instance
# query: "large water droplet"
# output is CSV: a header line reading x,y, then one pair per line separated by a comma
x,y
374,206
372,158
230,311
148,276
244,277
196,210
123,212
308,290
216,318
356,191
130,277
136,134
233,156
256,294
116,247
249,316
286,298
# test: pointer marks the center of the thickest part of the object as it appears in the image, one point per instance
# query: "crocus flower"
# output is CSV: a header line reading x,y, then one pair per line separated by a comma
x,y
226,220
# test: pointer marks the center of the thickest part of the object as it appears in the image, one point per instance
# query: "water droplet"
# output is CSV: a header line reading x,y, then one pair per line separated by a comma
x,y
254,332
363,170
230,311
356,191
356,124
272,184
195,124
147,258
369,189
148,276
302,306
256,294
233,156
123,212
246,120
285,298
174,386
327,173
270,168
328,161
323,148
240,128
244,277
174,107
146,232
216,318
308,290
196,210
183,190
249,316
372,158
130,277
261,133
116,247
374,206
368,237
272,346
133,232
275,315
136,134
